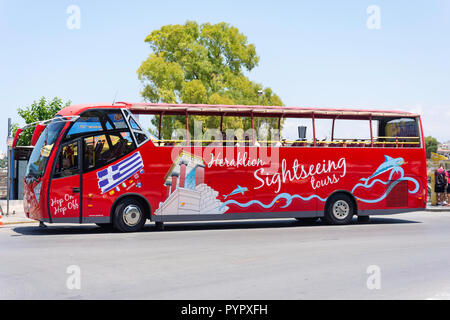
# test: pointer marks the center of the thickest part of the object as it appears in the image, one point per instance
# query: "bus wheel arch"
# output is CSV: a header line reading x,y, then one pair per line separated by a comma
x,y
344,199
132,196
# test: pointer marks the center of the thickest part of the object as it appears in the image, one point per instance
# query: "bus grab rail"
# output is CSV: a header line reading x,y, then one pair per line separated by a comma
x,y
42,123
343,143
45,122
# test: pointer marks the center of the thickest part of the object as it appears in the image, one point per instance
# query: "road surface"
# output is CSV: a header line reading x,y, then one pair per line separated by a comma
x,y
393,257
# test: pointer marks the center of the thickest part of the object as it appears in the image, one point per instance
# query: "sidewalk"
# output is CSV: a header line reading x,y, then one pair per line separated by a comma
x,y
437,208
16,213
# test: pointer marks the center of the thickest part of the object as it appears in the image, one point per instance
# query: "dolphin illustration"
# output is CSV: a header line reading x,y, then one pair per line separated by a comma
x,y
239,189
388,164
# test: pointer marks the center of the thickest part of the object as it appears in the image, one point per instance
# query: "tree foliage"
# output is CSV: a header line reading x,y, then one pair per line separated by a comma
x,y
198,64
4,163
431,145
37,111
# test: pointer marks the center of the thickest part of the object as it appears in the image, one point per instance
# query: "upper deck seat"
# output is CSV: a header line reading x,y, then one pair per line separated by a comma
x,y
332,145
299,143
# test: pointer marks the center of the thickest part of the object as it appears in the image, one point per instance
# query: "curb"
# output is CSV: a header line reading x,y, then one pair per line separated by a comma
x,y
17,222
438,209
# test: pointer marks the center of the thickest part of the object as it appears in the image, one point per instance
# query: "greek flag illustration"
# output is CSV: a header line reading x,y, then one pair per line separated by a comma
x,y
114,175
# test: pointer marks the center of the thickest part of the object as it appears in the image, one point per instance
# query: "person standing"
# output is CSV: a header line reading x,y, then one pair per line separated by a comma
x,y
448,188
440,186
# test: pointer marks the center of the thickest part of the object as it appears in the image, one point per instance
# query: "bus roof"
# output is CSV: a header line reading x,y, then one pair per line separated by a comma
x,y
264,111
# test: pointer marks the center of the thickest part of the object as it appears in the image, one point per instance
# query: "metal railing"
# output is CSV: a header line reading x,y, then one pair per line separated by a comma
x,y
337,143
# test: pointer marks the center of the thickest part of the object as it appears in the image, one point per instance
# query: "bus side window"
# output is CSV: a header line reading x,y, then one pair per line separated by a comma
x,y
266,131
117,119
296,132
96,150
67,161
121,144
103,149
402,132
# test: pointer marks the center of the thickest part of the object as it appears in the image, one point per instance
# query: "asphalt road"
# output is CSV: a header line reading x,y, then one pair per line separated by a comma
x,y
270,259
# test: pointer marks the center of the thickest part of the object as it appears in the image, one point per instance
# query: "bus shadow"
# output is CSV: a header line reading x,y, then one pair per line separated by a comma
x,y
196,226
57,229
270,224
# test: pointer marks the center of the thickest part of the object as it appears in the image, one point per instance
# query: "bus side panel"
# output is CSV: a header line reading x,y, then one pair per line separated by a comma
x,y
391,185
206,183
300,180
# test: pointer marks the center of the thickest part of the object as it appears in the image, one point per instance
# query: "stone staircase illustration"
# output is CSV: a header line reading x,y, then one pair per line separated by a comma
x,y
209,204
202,200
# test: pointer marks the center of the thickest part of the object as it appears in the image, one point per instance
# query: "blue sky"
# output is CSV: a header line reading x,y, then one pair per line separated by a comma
x,y
313,53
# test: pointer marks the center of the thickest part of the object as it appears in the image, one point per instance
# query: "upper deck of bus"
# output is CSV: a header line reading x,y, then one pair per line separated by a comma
x,y
234,110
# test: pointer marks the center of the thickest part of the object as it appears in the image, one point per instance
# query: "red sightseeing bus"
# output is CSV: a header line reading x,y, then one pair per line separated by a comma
x,y
97,164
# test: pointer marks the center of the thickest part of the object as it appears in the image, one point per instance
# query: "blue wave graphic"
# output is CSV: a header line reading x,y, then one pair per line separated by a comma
x,y
393,184
288,197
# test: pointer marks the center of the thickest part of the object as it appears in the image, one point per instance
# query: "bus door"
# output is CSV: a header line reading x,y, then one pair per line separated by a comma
x,y
105,179
65,186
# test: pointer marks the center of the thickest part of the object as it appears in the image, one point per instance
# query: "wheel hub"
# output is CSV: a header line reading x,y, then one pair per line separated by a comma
x,y
131,215
341,209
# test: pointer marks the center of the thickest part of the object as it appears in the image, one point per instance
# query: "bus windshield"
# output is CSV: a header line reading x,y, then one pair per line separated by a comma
x,y
43,148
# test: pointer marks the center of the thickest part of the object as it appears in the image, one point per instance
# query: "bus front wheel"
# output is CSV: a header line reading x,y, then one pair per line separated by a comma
x,y
129,215
339,210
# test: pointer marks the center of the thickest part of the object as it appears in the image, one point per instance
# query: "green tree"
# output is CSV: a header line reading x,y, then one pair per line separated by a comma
x,y
4,163
205,63
431,145
37,111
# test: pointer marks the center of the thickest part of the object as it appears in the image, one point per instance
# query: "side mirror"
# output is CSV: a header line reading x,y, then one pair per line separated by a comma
x,y
37,132
302,132
16,137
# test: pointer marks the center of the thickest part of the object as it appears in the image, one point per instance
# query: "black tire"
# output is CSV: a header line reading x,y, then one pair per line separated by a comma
x,y
339,210
129,215
307,220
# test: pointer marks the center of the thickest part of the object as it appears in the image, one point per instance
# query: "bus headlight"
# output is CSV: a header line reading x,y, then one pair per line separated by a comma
x,y
37,190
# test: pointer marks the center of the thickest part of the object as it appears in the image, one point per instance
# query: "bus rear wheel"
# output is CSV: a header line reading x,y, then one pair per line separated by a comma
x,y
129,216
340,210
